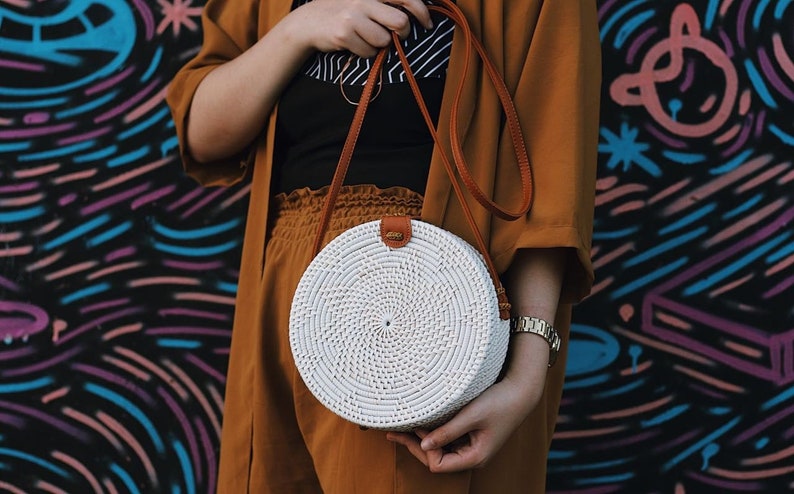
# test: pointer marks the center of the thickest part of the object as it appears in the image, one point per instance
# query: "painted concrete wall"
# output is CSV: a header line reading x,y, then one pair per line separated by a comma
x,y
118,273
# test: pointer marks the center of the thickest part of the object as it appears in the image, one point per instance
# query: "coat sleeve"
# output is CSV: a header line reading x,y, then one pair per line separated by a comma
x,y
558,97
229,28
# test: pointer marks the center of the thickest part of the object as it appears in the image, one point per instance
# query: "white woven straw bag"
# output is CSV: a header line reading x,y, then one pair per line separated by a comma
x,y
422,331
397,324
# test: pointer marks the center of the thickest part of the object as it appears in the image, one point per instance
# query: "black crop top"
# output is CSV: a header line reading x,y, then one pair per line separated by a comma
x,y
394,147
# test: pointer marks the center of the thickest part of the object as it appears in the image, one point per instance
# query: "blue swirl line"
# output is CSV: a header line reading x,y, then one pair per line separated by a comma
x,y
735,266
631,26
599,235
783,136
140,127
759,12
591,466
586,383
621,390
33,459
110,234
616,17
158,55
77,232
196,233
711,13
22,214
129,157
96,155
607,479
128,407
91,105
732,164
664,416
187,469
758,83
38,103
781,7
56,153
174,343
25,386
126,478
691,217
664,247
650,277
745,206
783,252
777,400
226,287
170,143
699,445
85,292
12,147
195,251
684,158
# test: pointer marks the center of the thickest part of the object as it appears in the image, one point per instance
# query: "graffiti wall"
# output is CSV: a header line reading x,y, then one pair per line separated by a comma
x,y
118,273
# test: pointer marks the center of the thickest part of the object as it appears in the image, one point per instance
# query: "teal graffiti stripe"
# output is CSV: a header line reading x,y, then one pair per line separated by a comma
x,y
129,157
664,417
35,460
735,266
56,153
780,254
196,251
137,129
77,232
25,386
110,234
711,13
665,246
649,278
732,164
126,478
699,445
130,408
606,479
601,235
759,12
632,25
85,292
187,468
174,343
616,17
37,103
783,136
745,206
13,147
226,287
759,85
97,155
688,219
561,455
87,107
587,383
195,233
156,58
22,215
621,390
684,158
601,465
783,397
781,7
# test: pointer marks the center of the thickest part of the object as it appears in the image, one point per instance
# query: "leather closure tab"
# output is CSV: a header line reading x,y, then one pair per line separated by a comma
x,y
395,231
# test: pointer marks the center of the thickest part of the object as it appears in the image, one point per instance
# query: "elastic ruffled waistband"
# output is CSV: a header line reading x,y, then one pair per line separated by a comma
x,y
297,215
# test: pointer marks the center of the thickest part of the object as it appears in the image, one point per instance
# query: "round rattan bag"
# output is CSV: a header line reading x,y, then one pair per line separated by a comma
x,y
397,338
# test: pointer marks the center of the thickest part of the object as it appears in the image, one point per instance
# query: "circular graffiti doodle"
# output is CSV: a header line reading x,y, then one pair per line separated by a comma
x,y
641,88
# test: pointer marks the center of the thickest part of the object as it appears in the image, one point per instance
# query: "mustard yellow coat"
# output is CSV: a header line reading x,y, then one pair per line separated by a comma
x,y
549,54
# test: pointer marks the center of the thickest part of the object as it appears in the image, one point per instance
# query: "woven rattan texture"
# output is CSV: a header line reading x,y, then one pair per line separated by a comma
x,y
395,339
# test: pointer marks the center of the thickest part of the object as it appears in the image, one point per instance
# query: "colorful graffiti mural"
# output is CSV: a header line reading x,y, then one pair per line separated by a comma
x,y
118,273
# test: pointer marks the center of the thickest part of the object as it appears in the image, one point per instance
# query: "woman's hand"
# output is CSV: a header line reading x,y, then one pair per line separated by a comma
x,y
360,26
473,436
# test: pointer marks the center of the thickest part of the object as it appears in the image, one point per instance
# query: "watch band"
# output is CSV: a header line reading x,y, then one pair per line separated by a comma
x,y
534,325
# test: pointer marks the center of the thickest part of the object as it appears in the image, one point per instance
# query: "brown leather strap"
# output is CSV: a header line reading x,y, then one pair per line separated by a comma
x,y
453,12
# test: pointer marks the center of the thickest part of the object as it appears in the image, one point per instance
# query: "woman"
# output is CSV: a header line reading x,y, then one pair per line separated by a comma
x,y
272,92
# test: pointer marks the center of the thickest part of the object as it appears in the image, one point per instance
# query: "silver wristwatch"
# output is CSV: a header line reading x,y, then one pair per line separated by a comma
x,y
534,325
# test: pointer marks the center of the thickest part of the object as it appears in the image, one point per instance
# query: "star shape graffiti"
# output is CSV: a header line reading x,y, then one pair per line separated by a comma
x,y
626,150
177,14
